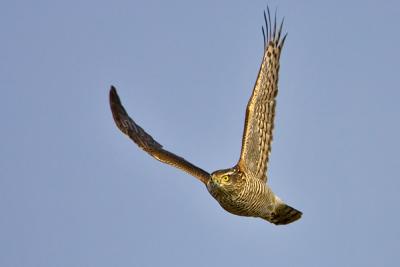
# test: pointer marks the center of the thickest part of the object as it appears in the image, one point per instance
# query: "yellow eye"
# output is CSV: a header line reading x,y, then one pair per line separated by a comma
x,y
225,178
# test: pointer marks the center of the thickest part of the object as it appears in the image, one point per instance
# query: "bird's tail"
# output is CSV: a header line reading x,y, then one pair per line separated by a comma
x,y
284,214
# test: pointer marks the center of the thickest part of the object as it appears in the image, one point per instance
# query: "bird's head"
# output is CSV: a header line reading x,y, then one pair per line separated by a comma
x,y
227,180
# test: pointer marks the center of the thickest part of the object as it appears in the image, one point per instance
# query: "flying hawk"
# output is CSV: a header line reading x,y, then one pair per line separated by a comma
x,y
243,189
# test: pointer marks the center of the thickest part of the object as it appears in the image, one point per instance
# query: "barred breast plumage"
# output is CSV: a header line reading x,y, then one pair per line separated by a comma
x,y
249,197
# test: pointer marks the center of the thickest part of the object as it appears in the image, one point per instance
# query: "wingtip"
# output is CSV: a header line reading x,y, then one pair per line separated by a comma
x,y
283,40
113,90
273,30
113,97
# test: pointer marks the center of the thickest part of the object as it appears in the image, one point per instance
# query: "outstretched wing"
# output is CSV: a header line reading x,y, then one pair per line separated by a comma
x,y
147,143
260,112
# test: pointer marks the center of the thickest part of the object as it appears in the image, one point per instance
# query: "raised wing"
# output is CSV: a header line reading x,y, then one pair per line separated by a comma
x,y
147,143
260,112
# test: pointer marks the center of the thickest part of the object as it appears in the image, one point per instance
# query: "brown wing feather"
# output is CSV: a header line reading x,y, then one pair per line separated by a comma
x,y
147,143
260,112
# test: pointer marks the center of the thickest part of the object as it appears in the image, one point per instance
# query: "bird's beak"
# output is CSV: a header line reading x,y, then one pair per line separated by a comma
x,y
214,180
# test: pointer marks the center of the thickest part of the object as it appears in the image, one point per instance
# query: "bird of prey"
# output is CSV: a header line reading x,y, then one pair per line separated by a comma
x,y
242,189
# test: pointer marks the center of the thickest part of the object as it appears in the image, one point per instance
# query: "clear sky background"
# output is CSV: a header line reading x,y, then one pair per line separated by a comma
x,y
75,192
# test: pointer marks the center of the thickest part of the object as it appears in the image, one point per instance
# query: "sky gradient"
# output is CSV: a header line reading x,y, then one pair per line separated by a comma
x,y
75,192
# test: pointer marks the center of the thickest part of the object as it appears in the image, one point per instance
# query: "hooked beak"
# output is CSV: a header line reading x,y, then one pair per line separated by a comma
x,y
215,180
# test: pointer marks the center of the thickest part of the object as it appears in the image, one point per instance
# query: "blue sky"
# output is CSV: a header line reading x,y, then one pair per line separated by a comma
x,y
75,192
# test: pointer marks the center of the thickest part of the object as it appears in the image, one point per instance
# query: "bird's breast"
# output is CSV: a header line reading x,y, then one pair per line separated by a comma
x,y
253,199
